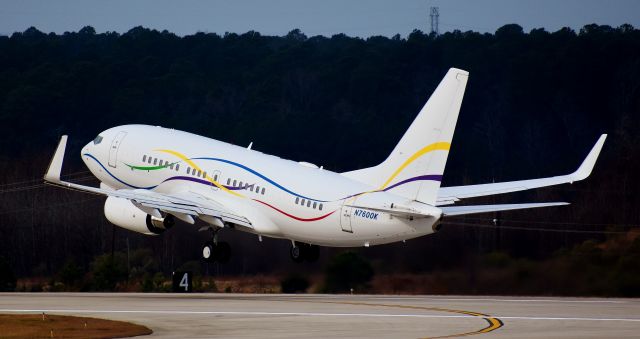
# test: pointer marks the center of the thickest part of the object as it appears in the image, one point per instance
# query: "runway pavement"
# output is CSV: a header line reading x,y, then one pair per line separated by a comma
x,y
345,316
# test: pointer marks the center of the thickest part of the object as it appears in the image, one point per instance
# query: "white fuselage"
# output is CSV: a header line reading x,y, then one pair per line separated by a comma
x,y
282,198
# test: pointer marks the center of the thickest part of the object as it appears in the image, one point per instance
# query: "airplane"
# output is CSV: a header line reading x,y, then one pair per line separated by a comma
x,y
153,175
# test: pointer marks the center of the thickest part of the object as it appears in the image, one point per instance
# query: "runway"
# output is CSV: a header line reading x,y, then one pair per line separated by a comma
x,y
345,316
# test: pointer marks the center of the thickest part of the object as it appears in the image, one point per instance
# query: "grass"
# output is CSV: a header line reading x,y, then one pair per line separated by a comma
x,y
62,326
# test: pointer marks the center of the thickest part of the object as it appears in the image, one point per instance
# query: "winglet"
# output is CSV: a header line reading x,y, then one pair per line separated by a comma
x,y
55,167
587,165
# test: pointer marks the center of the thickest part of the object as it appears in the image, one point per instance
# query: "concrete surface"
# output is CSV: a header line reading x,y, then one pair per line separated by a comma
x,y
345,316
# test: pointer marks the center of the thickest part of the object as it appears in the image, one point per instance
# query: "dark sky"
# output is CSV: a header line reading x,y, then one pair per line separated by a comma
x,y
326,17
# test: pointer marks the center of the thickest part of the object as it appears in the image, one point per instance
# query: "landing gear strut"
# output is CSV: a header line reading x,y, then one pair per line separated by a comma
x,y
214,250
300,252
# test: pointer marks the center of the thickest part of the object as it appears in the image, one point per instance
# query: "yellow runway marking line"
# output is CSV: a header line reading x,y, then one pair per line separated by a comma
x,y
493,322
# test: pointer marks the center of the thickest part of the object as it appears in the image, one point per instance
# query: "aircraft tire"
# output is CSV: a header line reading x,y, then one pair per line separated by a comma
x,y
209,252
297,253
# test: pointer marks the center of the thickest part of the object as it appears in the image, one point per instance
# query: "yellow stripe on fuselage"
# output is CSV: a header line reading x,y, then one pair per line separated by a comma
x,y
192,164
436,146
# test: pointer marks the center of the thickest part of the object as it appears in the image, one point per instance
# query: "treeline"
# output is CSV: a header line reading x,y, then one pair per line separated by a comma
x,y
535,103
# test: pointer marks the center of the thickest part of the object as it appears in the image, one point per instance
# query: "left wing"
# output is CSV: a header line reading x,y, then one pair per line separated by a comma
x,y
184,206
450,195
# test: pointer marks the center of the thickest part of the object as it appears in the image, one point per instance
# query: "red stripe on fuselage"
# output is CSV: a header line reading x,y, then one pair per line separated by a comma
x,y
293,216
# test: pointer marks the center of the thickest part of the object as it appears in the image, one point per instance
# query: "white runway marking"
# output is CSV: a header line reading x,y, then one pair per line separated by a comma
x,y
312,314
435,299
510,300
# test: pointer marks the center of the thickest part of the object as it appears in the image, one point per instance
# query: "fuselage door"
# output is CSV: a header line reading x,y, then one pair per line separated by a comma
x,y
113,151
345,218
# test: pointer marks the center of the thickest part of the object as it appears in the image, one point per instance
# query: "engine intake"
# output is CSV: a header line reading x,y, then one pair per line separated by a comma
x,y
121,212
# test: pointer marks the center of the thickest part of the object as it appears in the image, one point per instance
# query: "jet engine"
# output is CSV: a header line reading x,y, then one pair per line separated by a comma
x,y
121,212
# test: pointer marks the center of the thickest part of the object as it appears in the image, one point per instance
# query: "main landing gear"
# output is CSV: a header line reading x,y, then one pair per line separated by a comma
x,y
300,252
216,251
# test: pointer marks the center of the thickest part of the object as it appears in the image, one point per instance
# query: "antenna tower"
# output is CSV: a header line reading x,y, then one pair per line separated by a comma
x,y
434,14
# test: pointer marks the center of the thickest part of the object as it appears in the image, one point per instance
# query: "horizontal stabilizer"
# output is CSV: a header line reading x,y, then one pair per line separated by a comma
x,y
474,209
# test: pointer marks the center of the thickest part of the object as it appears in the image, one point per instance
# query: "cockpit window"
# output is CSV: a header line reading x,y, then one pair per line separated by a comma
x,y
97,140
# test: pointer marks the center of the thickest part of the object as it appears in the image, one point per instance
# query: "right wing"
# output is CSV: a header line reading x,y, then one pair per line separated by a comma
x,y
184,206
453,194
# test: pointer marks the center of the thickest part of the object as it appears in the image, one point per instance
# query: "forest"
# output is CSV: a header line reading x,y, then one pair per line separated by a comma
x,y
535,104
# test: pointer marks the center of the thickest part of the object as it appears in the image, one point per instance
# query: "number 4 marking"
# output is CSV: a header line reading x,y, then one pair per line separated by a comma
x,y
185,282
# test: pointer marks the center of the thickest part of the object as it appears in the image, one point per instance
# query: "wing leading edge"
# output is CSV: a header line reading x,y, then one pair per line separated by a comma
x,y
450,195
474,209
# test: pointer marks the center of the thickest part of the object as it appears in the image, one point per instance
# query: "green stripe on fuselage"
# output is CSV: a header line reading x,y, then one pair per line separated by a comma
x,y
149,168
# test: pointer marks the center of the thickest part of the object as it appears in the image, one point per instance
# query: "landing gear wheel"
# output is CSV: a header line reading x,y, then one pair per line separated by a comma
x,y
312,253
224,252
296,254
209,251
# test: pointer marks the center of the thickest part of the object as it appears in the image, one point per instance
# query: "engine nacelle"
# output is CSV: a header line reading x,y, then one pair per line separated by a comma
x,y
121,212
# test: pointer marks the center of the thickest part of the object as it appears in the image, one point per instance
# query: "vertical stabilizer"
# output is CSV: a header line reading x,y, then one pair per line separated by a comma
x,y
415,167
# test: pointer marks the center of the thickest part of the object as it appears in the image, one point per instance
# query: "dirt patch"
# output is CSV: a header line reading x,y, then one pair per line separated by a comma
x,y
62,326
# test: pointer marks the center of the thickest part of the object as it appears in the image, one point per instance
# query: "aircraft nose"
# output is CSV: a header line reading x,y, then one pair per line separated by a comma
x,y
86,150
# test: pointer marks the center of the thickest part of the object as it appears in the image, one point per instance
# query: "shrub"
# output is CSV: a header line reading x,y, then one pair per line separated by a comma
x,y
70,273
108,271
7,277
346,271
294,284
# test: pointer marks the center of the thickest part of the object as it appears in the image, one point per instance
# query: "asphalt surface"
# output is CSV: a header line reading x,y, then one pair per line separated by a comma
x,y
345,316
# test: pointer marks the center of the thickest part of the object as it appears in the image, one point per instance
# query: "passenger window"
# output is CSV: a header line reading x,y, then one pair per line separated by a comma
x,y
240,185
188,170
171,165
302,202
155,161
177,167
199,173
149,160
228,181
215,177
320,207
234,183
263,191
308,203
257,189
314,205
144,158
297,200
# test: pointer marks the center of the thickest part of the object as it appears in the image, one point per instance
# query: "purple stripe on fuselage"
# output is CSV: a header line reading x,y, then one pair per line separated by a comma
x,y
431,177
200,181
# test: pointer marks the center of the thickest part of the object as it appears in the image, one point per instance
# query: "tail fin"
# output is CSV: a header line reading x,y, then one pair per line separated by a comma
x,y
414,169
